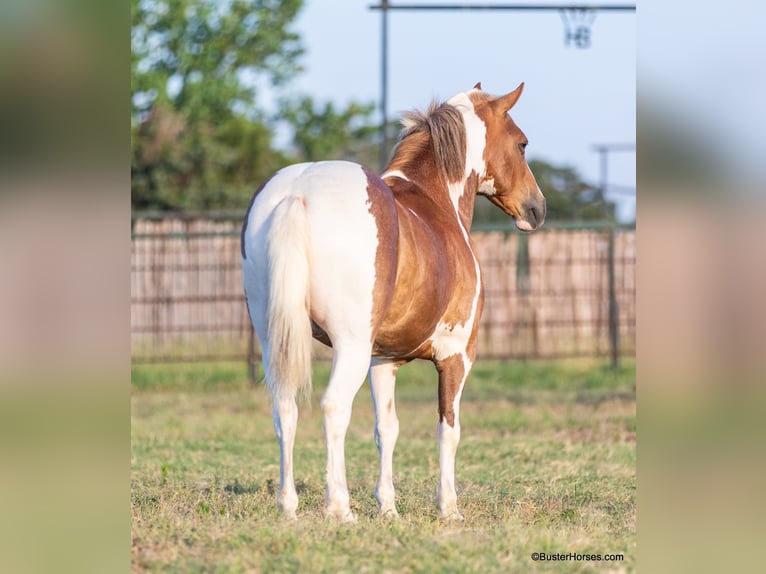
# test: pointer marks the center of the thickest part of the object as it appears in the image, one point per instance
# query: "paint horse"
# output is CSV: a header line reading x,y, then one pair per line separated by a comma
x,y
383,270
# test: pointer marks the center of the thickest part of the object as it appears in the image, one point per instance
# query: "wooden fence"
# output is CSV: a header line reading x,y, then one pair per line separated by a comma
x,y
554,293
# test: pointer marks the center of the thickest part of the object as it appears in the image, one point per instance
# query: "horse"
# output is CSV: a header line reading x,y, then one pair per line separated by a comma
x,y
383,270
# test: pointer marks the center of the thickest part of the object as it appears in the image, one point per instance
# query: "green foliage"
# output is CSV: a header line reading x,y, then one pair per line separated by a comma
x,y
568,196
199,140
196,55
179,165
326,133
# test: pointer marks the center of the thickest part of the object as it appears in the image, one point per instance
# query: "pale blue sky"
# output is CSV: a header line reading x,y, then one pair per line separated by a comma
x,y
573,98
707,63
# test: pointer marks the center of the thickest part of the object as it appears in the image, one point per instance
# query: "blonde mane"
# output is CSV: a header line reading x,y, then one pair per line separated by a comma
x,y
441,128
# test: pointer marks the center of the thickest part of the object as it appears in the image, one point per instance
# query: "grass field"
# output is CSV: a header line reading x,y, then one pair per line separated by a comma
x,y
546,464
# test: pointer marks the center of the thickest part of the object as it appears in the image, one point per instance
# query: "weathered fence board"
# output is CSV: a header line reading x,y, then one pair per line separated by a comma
x,y
547,293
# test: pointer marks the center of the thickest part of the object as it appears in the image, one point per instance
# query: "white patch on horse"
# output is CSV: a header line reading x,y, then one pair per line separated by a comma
x,y
395,173
342,271
448,438
476,142
475,135
487,187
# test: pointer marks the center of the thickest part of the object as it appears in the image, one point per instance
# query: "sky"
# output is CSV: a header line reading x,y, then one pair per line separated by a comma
x,y
573,98
707,63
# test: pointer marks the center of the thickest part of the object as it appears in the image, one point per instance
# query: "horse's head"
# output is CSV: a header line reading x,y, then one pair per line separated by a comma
x,y
496,152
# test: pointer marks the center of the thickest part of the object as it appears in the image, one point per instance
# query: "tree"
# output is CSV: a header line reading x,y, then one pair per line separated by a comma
x,y
206,56
324,133
199,139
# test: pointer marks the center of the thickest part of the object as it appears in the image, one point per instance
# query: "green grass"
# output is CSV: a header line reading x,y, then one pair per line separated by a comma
x,y
546,464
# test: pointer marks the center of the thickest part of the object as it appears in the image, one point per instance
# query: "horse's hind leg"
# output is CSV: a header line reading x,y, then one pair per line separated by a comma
x,y
285,414
285,425
350,363
382,381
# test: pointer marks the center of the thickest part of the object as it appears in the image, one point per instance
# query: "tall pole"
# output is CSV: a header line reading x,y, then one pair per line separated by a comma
x,y
614,311
603,151
383,159
603,167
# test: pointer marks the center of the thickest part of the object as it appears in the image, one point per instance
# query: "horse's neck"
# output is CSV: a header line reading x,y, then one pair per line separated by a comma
x,y
458,197
463,194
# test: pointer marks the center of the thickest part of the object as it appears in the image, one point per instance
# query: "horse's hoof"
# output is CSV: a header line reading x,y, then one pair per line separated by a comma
x,y
349,518
453,516
344,517
389,514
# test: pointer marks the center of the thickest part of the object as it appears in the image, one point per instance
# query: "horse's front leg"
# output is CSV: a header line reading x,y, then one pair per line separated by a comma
x,y
453,372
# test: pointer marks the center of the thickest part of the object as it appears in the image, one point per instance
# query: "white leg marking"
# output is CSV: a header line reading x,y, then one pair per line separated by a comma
x,y
285,425
448,438
382,380
350,363
446,495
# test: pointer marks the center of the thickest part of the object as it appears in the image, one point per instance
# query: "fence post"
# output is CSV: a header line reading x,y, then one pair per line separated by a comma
x,y
252,366
614,334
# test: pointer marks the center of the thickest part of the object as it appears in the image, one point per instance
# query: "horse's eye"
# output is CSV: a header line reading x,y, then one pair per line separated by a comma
x,y
523,147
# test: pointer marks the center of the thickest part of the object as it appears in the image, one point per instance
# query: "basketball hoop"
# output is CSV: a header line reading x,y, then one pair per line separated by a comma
x,y
577,22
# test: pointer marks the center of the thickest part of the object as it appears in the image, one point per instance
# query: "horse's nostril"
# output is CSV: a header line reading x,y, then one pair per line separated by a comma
x,y
533,213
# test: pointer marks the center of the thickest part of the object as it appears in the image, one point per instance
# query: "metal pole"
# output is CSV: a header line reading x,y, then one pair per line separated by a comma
x,y
384,5
604,157
604,167
614,320
383,160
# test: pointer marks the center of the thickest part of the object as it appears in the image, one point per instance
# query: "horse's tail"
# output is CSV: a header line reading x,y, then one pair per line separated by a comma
x,y
288,368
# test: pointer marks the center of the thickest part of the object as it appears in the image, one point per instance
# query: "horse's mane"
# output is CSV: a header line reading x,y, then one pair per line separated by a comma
x,y
443,129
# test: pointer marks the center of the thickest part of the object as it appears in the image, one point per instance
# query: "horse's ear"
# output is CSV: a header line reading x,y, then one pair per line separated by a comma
x,y
507,101
477,86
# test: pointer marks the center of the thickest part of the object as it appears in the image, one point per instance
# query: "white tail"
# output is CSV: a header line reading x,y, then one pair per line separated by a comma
x,y
288,370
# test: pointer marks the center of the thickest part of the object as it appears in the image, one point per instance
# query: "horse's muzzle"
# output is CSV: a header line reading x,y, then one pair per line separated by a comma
x,y
533,215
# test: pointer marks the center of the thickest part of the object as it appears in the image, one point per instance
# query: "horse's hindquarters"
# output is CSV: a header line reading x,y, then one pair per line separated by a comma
x,y
353,251
351,246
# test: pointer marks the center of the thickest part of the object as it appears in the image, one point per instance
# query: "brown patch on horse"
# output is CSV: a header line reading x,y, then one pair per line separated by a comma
x,y
247,216
383,210
442,131
451,375
429,287
424,277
